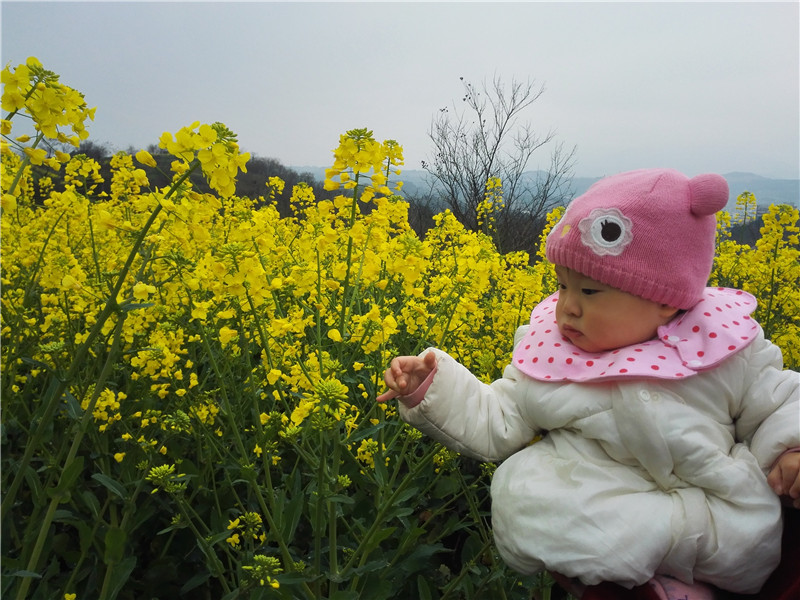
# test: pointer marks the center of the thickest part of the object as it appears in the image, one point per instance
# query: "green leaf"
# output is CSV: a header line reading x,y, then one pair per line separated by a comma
x,y
411,492
70,475
216,538
287,579
446,486
74,409
34,485
368,432
115,545
399,512
411,535
341,499
172,527
377,538
381,474
129,306
35,363
85,536
424,590
232,595
420,558
63,515
371,566
112,485
120,575
197,580
92,502
289,513
471,551
23,573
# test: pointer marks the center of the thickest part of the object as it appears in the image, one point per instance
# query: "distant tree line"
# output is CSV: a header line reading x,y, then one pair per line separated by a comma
x,y
473,142
517,228
252,184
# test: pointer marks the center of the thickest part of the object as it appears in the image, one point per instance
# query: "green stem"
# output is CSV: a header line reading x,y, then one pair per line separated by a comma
x,y
432,322
225,400
85,550
287,557
94,253
321,493
768,324
346,287
130,508
332,522
466,570
24,165
360,552
318,313
10,349
214,563
60,494
57,385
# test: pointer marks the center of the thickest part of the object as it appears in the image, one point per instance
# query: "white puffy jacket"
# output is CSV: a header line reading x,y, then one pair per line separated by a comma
x,y
632,477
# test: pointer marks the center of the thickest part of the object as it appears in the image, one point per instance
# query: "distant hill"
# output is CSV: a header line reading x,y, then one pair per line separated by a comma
x,y
767,191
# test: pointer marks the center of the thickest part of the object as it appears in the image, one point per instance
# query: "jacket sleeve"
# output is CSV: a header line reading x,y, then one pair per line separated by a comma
x,y
483,421
769,414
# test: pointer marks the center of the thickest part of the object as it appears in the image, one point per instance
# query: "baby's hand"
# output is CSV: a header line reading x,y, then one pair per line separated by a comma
x,y
405,374
784,477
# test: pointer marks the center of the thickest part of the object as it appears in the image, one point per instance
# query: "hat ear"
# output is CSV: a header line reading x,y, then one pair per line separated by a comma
x,y
709,194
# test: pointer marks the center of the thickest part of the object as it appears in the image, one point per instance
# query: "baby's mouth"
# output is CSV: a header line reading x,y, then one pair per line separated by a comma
x,y
572,334
569,331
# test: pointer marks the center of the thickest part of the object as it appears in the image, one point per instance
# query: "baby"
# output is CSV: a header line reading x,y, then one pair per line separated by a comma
x,y
670,429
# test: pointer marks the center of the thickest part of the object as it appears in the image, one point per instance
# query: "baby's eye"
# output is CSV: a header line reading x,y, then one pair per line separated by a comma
x,y
589,291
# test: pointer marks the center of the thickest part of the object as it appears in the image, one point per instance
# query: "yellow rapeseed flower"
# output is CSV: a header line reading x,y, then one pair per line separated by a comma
x,y
37,155
226,335
144,157
142,291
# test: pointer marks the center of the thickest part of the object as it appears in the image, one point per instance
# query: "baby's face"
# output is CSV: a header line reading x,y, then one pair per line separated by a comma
x,y
596,317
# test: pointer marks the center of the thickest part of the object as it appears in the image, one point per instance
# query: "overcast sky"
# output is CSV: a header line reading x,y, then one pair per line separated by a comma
x,y
701,87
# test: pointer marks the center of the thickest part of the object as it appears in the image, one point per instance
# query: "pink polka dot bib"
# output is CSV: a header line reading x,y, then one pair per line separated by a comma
x,y
715,328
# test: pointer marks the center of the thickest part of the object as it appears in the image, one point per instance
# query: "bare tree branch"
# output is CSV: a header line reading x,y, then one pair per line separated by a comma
x,y
486,139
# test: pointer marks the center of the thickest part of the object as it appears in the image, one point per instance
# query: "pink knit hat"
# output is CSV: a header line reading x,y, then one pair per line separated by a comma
x,y
649,233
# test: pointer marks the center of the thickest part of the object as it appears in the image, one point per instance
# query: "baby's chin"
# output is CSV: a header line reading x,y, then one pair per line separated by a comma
x,y
587,345
576,338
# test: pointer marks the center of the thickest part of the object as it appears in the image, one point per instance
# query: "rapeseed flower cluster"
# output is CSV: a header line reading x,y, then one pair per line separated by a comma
x,y
491,204
83,172
359,153
214,146
31,89
769,269
238,325
263,570
230,356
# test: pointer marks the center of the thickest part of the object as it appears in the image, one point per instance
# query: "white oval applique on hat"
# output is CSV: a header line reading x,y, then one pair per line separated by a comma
x,y
606,231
